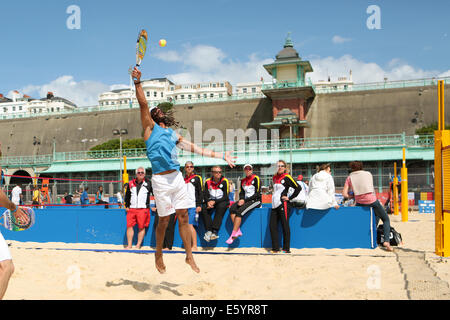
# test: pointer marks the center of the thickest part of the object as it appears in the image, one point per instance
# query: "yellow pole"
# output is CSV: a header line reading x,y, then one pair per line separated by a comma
x,y
395,190
404,183
441,171
125,173
441,120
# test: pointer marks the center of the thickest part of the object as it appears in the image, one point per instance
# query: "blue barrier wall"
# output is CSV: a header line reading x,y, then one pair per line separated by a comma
x,y
347,227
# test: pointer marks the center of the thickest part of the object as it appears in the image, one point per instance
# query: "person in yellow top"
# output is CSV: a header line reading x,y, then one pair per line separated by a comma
x,y
36,196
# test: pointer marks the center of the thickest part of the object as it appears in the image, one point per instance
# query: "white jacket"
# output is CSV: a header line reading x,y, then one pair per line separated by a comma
x,y
321,192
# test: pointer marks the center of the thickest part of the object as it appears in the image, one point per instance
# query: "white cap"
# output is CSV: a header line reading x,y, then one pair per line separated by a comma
x,y
248,165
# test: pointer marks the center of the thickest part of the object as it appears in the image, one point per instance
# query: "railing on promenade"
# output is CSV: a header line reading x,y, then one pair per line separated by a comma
x,y
380,85
267,146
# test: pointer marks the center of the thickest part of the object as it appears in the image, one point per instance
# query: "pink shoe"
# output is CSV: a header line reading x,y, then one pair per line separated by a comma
x,y
230,240
238,233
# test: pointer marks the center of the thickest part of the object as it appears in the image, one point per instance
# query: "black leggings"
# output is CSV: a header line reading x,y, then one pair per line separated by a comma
x,y
170,230
280,214
214,225
245,208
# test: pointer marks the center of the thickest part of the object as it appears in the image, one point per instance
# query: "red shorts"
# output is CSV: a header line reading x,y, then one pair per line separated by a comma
x,y
141,217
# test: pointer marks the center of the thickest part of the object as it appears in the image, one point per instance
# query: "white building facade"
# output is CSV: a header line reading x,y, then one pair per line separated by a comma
x,y
163,90
23,105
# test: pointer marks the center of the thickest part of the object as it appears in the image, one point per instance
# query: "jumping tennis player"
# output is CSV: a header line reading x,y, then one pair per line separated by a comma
x,y
169,187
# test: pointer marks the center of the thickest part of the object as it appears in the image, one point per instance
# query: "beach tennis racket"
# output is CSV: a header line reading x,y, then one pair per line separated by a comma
x,y
141,46
9,221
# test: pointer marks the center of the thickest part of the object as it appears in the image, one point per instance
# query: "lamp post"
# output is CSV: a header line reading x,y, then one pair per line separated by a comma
x,y
290,121
119,133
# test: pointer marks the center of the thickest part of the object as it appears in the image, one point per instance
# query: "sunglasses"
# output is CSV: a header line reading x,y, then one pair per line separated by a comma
x,y
189,166
281,166
216,171
141,172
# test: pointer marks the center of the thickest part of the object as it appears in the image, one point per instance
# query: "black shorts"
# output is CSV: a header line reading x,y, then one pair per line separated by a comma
x,y
245,208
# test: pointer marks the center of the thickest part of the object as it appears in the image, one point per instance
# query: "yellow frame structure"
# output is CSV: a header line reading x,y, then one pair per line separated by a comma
x,y
442,180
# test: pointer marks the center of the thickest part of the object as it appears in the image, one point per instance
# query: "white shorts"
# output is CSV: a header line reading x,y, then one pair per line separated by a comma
x,y
170,193
4,250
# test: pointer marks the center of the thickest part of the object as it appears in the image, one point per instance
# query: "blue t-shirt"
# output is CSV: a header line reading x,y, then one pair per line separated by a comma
x,y
2,179
84,199
162,150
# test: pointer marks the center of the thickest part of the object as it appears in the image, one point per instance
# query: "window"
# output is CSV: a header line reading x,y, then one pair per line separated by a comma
x,y
222,85
211,95
205,95
198,96
148,93
182,96
162,94
220,95
244,90
253,90
189,97
5,109
155,94
214,85
14,108
20,108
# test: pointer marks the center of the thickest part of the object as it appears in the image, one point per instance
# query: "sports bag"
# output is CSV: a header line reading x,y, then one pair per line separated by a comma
x,y
395,238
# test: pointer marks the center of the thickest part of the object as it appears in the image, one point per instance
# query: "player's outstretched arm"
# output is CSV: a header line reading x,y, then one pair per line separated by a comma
x,y
192,147
146,119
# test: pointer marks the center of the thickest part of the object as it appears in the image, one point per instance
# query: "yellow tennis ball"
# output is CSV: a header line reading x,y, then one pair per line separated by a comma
x,y
162,43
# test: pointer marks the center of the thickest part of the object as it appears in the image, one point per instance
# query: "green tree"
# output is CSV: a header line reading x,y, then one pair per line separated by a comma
x,y
429,129
114,144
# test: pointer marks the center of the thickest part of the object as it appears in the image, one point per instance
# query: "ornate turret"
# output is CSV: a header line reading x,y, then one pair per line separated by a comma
x,y
289,89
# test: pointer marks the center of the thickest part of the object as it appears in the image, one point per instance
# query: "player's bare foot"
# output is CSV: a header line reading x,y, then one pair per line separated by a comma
x,y
191,262
159,263
387,246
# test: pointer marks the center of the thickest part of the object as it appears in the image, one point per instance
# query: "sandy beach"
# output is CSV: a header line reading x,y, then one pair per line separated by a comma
x,y
412,271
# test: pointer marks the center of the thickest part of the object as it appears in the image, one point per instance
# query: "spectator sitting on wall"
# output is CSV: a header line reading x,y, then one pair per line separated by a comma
x,y
361,182
99,197
216,198
249,199
321,190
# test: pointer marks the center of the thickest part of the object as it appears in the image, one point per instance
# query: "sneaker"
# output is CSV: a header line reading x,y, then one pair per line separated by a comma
x,y
207,236
287,251
274,251
230,240
214,236
238,233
